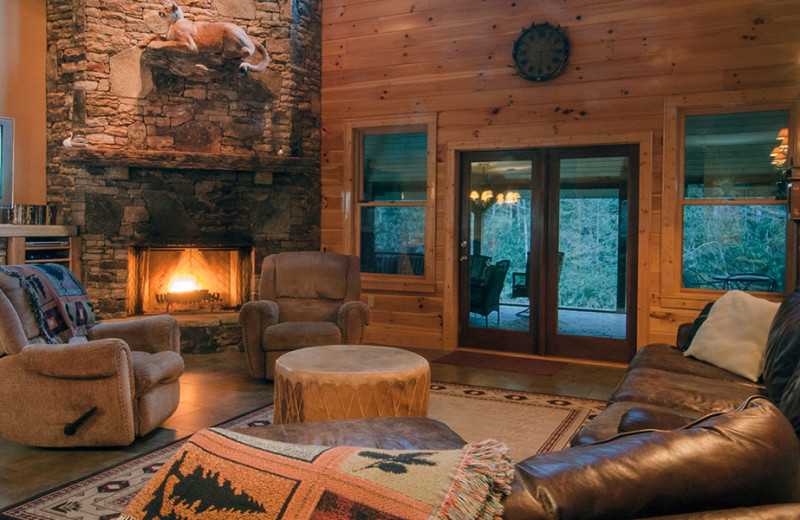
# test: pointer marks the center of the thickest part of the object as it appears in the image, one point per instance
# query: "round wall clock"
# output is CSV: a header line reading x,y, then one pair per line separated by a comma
x,y
541,52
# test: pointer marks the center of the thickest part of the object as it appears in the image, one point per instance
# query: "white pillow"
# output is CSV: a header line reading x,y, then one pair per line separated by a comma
x,y
734,336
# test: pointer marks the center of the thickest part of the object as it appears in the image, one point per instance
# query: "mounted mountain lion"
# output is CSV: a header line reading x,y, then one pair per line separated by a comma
x,y
226,39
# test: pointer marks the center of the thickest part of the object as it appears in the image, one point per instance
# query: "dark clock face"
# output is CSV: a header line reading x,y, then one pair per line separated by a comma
x,y
541,52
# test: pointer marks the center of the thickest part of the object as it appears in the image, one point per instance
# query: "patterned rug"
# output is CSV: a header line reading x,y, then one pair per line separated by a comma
x,y
527,422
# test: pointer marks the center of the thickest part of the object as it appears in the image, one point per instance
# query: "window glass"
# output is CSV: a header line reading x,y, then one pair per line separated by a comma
x,y
393,240
734,155
395,166
734,247
394,191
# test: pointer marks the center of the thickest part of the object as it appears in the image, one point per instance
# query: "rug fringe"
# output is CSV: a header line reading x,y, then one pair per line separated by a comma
x,y
480,482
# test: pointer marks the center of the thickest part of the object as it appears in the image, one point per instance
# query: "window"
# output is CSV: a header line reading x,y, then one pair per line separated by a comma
x,y
393,178
733,203
6,162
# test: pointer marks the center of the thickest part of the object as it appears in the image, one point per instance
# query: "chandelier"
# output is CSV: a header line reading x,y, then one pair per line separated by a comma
x,y
485,197
779,152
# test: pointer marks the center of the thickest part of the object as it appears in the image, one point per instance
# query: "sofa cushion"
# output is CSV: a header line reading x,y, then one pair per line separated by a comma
x,y
682,391
616,419
746,457
670,359
734,336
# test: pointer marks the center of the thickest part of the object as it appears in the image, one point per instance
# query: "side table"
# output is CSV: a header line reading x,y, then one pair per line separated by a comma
x,y
350,382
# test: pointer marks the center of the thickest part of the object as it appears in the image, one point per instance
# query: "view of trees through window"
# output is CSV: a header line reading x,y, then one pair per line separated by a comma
x,y
719,240
588,237
734,210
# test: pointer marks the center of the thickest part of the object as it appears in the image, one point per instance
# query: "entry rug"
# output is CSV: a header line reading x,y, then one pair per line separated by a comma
x,y
527,422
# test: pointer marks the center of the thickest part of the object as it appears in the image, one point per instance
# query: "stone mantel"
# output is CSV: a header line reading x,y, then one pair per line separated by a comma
x,y
157,159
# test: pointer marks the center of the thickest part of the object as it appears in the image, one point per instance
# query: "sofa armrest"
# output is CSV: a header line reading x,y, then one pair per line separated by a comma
x,y
89,360
255,317
353,317
149,334
700,466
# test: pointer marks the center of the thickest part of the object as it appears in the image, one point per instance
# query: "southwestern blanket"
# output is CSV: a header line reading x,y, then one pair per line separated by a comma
x,y
222,474
58,300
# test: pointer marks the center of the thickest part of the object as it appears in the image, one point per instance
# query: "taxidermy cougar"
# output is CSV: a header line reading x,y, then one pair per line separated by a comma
x,y
227,39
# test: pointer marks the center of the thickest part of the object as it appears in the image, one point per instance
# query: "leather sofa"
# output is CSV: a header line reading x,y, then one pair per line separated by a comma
x,y
680,439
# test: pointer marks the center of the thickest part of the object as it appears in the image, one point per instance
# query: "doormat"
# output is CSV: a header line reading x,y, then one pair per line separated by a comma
x,y
527,422
520,365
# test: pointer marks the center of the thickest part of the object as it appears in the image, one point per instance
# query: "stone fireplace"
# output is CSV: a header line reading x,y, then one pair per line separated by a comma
x,y
186,164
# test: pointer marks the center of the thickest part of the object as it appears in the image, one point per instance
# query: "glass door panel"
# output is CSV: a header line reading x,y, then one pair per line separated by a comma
x,y
496,250
591,294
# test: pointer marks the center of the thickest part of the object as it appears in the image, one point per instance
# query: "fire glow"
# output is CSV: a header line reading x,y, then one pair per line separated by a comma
x,y
183,283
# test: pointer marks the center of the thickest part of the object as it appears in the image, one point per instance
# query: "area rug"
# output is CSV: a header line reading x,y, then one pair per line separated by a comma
x,y
528,422
520,365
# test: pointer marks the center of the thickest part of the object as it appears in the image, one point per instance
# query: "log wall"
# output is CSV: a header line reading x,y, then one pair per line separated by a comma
x,y
452,58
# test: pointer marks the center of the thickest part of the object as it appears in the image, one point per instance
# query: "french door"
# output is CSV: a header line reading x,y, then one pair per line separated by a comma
x,y
547,248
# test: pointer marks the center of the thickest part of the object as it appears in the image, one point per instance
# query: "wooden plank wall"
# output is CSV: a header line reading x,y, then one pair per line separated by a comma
x,y
453,58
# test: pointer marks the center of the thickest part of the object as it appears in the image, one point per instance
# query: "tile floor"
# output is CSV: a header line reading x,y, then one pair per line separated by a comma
x,y
217,387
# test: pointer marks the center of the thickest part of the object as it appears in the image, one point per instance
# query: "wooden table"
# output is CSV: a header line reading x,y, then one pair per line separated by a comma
x,y
350,382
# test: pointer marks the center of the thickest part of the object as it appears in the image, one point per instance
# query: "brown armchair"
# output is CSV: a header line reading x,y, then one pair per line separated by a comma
x,y
118,382
306,299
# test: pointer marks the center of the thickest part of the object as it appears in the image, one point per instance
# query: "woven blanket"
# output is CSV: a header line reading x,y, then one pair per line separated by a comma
x,y
223,474
58,300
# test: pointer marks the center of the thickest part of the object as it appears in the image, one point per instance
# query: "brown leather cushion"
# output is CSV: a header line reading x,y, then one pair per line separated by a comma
x,y
742,458
649,417
670,359
390,433
691,392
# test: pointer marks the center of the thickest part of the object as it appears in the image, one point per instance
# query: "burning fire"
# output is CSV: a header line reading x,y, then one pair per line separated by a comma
x,y
183,283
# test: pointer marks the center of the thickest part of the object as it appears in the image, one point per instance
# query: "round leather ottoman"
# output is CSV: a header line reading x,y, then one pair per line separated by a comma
x,y
350,382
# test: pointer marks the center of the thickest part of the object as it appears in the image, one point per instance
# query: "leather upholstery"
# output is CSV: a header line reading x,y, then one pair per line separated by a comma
x,y
745,457
125,378
306,298
389,433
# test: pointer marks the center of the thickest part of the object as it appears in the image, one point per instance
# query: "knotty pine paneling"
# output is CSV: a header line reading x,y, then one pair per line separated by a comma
x,y
453,58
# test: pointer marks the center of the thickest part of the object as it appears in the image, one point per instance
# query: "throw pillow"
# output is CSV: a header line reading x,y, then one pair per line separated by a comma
x,y
698,322
223,472
734,336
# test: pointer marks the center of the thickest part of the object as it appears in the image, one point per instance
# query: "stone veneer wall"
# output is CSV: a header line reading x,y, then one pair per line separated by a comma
x,y
193,153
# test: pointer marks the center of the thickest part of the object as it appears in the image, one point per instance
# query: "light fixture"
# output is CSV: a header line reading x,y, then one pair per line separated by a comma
x,y
780,152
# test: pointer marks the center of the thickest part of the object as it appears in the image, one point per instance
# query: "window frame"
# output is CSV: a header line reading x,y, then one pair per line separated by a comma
x,y
354,201
677,108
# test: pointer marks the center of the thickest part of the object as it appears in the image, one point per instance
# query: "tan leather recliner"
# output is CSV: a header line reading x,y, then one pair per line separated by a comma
x,y
121,383
306,298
